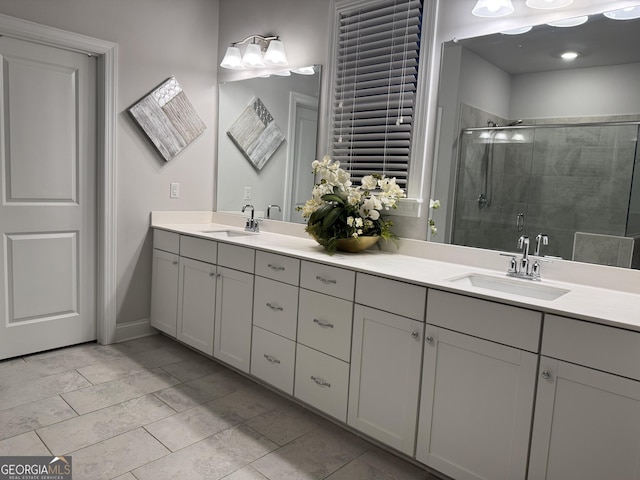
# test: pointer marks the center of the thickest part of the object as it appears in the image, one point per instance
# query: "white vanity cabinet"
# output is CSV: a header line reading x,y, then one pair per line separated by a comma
x,y
587,418
275,314
386,360
164,288
478,387
197,293
234,305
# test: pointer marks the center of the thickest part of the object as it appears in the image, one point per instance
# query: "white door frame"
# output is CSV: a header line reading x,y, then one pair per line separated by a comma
x,y
107,56
296,100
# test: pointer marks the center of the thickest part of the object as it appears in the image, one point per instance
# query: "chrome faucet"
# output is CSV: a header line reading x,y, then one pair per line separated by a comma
x,y
523,243
521,268
541,239
273,205
252,224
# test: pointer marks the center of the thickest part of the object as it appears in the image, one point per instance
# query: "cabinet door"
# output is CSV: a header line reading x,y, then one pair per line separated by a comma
x,y
273,359
164,291
586,425
385,377
275,307
476,407
234,305
196,304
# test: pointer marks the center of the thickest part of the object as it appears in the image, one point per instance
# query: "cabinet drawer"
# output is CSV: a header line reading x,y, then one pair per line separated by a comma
x,y
273,359
500,323
278,267
322,381
334,281
391,296
167,241
275,307
324,323
238,258
198,249
610,349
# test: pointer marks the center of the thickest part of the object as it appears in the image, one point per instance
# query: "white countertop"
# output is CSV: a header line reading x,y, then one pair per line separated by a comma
x,y
596,304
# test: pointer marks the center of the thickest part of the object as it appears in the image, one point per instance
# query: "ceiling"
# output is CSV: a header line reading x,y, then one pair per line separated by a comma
x,y
601,41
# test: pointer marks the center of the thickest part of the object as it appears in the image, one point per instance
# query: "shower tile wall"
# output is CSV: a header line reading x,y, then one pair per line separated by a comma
x,y
563,180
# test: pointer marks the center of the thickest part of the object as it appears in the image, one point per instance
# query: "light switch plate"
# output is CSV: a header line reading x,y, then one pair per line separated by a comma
x,y
175,190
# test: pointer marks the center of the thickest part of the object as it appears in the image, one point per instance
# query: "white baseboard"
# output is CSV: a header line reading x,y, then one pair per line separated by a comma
x,y
131,330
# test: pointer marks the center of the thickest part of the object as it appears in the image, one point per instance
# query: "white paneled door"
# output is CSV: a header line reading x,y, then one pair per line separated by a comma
x,y
48,198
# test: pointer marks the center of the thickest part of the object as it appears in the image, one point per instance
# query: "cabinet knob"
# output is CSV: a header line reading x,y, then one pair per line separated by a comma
x,y
428,339
175,263
275,308
326,281
320,381
271,359
323,324
415,334
546,374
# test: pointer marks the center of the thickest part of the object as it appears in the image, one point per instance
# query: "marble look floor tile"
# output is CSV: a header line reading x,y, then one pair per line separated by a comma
x,y
106,394
282,425
193,368
11,362
360,470
122,367
34,390
202,390
211,458
193,425
394,466
314,456
73,351
80,432
137,346
250,401
246,473
126,476
26,444
34,415
117,456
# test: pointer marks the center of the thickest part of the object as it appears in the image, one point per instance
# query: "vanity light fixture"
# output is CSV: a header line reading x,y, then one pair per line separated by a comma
x,y
517,31
629,13
568,56
262,51
492,8
569,22
548,4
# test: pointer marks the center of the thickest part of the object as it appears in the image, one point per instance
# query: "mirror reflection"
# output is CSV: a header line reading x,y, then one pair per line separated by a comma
x,y
534,144
290,99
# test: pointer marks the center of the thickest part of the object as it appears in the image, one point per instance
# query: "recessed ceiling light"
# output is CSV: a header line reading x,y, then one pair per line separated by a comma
x,y
568,56
569,22
517,31
629,13
492,8
548,4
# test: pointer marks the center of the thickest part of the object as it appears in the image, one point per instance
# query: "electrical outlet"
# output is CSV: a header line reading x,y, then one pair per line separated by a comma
x,y
247,193
175,190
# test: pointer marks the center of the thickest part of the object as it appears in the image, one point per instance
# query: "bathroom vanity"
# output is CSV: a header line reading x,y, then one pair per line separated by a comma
x,y
441,359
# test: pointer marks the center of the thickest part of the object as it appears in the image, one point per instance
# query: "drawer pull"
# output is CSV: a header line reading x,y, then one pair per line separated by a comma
x,y
326,281
320,381
323,324
271,359
546,374
275,268
415,334
174,263
429,339
275,308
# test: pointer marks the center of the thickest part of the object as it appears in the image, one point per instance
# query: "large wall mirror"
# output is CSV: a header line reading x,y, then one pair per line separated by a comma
x,y
290,100
531,143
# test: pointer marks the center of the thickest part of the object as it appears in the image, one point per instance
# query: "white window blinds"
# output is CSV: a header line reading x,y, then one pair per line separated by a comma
x,y
375,87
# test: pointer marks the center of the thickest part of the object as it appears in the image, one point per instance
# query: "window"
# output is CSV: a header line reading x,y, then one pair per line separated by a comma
x,y
375,82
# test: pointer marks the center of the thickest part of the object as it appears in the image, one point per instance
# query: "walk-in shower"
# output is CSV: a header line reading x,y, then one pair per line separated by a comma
x,y
558,179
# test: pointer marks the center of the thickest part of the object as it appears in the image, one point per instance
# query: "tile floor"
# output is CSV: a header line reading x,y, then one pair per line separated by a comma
x,y
153,409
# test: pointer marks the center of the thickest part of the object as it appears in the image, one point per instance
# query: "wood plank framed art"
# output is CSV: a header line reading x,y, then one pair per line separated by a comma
x,y
168,119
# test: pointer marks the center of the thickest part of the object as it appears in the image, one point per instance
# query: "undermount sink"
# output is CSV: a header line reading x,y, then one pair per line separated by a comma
x,y
228,233
524,288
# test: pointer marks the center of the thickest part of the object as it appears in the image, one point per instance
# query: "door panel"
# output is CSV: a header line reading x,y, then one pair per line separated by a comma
x,y
48,199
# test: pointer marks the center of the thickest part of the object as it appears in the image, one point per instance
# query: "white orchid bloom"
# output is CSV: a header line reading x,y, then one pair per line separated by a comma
x,y
369,182
434,203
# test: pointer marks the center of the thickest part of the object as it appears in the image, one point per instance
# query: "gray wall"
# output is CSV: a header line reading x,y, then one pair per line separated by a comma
x,y
157,39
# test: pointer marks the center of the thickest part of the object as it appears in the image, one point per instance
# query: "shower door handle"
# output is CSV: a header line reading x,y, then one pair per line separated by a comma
x,y
520,222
